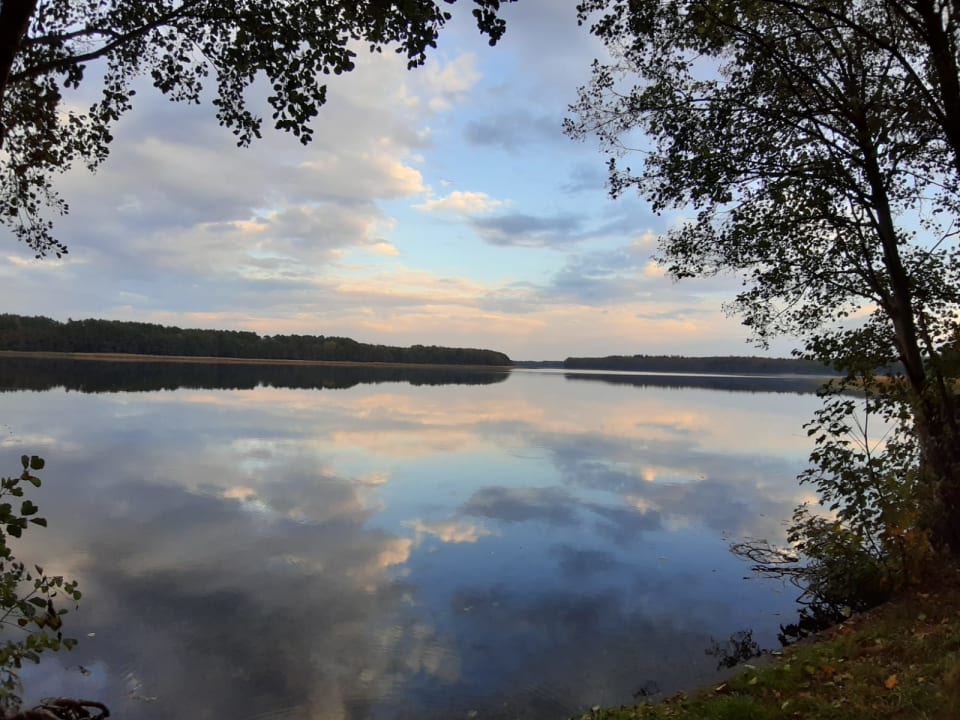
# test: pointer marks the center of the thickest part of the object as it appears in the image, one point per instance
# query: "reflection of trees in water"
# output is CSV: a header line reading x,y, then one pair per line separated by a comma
x,y
820,605
738,648
753,384
741,647
105,376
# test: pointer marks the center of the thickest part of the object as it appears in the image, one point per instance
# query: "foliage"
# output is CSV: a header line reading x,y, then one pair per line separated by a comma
x,y
817,147
115,336
872,536
30,600
185,48
875,540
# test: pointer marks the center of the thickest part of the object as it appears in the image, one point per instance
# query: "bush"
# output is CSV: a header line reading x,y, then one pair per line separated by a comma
x,y
31,602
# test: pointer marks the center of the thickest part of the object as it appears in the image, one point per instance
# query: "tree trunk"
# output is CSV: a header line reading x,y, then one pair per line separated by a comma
x,y
940,450
14,20
934,423
943,62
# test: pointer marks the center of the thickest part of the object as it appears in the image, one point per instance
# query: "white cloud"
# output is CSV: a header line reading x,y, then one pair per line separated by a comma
x,y
448,83
179,226
449,532
385,248
654,269
464,203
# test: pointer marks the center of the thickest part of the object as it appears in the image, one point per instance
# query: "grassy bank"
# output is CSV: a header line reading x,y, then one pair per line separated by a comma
x,y
901,660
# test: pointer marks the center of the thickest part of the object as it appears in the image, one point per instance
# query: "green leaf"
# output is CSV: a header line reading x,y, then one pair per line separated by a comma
x,y
28,508
25,461
36,463
42,522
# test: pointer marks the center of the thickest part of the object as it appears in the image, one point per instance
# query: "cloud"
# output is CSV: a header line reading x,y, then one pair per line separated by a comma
x,y
448,83
579,563
464,203
249,523
586,177
524,230
385,248
669,481
181,227
518,129
545,504
556,506
177,201
449,532
316,600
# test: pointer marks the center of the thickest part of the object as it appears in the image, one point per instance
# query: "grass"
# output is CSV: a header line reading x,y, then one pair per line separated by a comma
x,y
898,661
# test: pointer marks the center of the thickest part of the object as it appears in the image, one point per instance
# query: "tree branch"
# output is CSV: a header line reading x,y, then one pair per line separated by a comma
x,y
119,40
14,19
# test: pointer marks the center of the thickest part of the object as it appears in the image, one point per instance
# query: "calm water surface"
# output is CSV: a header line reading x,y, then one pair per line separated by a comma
x,y
335,544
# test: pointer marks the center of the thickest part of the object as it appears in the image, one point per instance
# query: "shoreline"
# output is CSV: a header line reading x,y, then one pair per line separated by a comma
x,y
900,659
213,360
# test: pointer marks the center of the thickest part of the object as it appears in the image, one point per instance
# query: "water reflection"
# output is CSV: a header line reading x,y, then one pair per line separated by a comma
x,y
523,548
798,384
105,376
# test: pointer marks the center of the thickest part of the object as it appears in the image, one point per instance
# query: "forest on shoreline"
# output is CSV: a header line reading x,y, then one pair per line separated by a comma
x,y
42,334
709,364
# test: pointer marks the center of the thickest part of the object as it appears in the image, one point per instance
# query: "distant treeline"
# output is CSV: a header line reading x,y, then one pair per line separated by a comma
x,y
35,334
88,376
712,364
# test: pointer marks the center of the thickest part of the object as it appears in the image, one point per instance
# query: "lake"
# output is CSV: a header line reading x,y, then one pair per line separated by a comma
x,y
346,543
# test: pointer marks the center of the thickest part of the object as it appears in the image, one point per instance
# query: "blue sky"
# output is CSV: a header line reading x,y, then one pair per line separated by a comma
x,y
439,206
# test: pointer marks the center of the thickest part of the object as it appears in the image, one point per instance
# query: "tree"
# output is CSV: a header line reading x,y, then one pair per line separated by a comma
x,y
31,602
817,142
49,46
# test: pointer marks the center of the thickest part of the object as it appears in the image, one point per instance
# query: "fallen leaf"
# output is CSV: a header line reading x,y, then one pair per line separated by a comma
x,y
891,682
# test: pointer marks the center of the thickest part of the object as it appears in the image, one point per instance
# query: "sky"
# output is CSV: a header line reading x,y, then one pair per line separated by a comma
x,y
438,206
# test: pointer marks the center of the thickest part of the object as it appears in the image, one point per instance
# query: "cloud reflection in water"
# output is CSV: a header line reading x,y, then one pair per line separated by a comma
x,y
390,550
